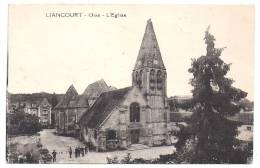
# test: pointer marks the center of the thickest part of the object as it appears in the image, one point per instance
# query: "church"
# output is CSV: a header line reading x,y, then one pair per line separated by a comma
x,y
72,106
138,114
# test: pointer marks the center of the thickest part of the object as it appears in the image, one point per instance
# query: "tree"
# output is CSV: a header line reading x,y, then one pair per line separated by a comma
x,y
54,100
215,99
21,123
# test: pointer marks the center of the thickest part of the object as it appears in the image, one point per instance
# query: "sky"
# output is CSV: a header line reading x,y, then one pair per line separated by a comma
x,y
51,53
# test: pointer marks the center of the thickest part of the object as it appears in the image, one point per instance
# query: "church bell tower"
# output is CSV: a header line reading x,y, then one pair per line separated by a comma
x,y
149,73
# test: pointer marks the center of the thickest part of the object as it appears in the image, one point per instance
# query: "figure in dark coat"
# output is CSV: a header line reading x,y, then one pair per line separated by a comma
x,y
54,156
70,151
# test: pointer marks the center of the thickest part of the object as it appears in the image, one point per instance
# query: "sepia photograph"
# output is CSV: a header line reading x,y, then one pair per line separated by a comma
x,y
130,84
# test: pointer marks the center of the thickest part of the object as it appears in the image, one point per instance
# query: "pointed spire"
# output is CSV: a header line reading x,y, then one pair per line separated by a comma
x,y
149,54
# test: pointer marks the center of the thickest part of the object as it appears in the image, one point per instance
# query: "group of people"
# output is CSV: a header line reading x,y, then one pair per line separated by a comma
x,y
19,157
78,151
27,158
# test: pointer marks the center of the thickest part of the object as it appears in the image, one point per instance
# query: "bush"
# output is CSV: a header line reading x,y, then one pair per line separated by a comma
x,y
44,151
126,159
39,145
47,157
112,145
165,159
20,123
113,161
141,161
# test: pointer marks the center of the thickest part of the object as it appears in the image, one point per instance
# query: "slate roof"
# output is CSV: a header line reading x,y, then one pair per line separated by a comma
x,y
103,106
149,53
96,88
42,101
79,101
36,102
70,95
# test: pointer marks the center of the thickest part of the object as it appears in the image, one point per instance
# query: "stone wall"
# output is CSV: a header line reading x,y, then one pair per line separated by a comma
x,y
152,126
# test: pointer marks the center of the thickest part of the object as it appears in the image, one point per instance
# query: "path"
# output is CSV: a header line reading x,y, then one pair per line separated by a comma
x,y
61,144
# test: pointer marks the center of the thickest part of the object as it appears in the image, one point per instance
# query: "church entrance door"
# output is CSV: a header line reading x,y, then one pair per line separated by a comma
x,y
135,136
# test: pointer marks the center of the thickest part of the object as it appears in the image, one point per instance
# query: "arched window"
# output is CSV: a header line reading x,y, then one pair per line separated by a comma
x,y
159,78
134,112
140,79
136,77
152,79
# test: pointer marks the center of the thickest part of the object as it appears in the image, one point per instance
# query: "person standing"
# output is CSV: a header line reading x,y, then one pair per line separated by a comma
x,y
75,152
54,156
86,149
28,157
9,157
78,151
20,158
82,151
70,151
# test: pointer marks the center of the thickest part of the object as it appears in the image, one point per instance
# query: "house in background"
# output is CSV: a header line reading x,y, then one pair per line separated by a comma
x,y
245,130
245,120
34,105
44,112
180,108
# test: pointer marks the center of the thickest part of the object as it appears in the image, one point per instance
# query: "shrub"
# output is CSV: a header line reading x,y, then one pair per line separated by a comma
x,y
44,151
20,123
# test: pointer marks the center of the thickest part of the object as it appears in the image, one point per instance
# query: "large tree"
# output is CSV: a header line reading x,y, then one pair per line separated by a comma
x,y
214,135
19,122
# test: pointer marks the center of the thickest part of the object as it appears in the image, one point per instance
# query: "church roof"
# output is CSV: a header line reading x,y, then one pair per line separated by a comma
x,y
69,96
103,106
79,101
149,54
96,88
82,101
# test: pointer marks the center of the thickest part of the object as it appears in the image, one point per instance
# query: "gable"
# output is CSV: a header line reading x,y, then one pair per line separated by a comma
x,y
96,88
44,102
70,94
78,101
113,119
103,107
134,95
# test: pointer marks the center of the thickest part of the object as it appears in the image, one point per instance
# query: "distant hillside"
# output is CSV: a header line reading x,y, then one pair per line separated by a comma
x,y
24,97
187,103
